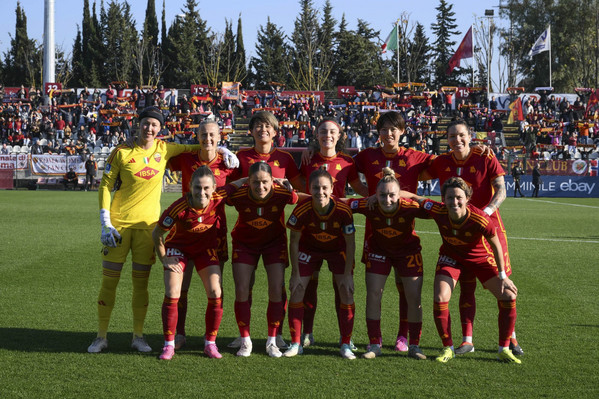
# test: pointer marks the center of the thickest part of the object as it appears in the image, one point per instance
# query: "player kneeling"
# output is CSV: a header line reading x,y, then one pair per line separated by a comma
x,y
191,223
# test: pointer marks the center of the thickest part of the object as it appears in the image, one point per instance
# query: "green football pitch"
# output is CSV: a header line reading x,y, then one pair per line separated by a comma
x,y
50,276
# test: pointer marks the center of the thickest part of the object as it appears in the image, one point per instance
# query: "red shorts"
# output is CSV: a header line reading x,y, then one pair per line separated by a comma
x,y
310,261
222,247
273,253
201,260
482,270
405,266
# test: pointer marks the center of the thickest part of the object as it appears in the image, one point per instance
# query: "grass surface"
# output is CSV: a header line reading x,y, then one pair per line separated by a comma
x,y
50,275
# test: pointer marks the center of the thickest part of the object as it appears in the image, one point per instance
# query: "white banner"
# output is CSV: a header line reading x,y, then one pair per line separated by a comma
x,y
13,161
56,164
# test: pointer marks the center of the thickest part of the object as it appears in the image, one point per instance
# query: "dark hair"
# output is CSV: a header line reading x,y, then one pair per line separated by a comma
x,y
259,167
340,146
200,172
456,182
457,122
388,177
393,118
318,173
264,117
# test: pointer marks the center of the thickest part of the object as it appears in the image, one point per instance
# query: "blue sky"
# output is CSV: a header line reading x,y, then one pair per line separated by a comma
x,y
380,14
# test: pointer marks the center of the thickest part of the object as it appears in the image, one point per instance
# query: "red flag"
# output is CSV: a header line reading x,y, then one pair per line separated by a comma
x,y
516,111
594,99
463,51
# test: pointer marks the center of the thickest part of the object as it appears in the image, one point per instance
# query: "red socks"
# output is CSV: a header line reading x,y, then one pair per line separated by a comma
x,y
169,317
467,305
443,322
242,315
213,317
506,320
274,316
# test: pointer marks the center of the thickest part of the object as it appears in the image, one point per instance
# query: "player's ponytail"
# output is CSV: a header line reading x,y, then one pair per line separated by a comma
x,y
388,177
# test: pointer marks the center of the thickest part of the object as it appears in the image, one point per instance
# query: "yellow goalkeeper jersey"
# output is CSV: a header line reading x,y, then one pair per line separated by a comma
x,y
136,176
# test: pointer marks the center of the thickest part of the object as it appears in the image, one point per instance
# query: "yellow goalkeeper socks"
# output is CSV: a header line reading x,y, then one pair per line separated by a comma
x,y
139,300
110,279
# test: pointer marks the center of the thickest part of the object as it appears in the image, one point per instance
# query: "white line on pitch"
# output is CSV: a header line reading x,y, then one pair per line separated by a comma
x,y
562,203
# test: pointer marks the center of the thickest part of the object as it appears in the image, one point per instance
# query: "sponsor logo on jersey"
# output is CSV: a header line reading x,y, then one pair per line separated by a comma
x,y
324,237
292,220
107,168
454,240
168,221
389,232
147,173
304,257
157,157
260,223
132,160
200,228
349,229
376,257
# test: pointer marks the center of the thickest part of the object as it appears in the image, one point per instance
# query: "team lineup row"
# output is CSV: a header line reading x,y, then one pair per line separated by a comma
x,y
321,228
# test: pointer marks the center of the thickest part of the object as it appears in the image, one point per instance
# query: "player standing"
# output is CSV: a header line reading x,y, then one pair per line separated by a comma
x,y
187,163
264,126
408,165
463,227
392,244
260,232
342,169
485,175
192,225
322,228
128,219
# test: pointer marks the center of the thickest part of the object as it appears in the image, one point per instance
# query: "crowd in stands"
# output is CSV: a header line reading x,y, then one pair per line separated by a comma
x,y
77,122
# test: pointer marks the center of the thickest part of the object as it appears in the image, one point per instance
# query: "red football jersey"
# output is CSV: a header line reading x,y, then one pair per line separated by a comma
x,y
477,170
281,163
260,222
192,231
188,162
341,167
392,234
406,163
463,242
322,233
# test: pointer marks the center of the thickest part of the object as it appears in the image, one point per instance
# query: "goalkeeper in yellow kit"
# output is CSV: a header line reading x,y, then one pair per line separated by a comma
x,y
128,218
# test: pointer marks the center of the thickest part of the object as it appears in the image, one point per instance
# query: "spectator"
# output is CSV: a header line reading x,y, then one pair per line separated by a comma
x,y
91,167
70,178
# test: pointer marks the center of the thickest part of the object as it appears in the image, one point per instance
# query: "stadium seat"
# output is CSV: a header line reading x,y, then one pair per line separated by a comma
x,y
101,163
16,149
43,142
97,150
9,147
105,150
25,150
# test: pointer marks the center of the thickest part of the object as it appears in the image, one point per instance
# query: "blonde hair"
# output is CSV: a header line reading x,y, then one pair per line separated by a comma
x,y
388,177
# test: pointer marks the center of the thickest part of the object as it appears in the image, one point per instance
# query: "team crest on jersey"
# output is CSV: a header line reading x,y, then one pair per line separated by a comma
x,y
338,167
335,225
217,172
157,157
402,163
472,169
260,223
277,164
292,220
147,173
468,234
168,221
274,209
107,168
401,220
428,205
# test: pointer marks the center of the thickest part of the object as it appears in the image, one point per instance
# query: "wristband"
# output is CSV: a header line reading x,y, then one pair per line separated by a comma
x,y
502,275
105,217
488,211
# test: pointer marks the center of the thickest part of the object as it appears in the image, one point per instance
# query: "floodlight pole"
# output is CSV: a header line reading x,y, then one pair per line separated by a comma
x,y
49,60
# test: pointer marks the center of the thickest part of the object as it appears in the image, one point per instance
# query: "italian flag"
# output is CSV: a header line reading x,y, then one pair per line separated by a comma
x,y
391,41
